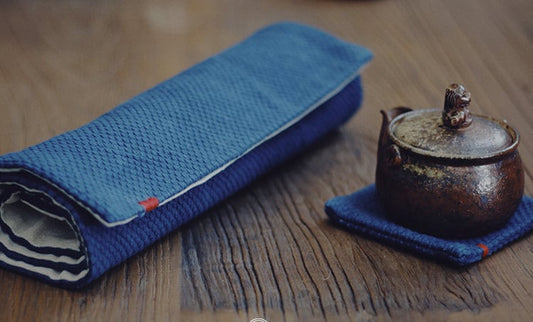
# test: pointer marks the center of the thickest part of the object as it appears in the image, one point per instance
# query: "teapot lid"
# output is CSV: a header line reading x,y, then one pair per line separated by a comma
x,y
453,132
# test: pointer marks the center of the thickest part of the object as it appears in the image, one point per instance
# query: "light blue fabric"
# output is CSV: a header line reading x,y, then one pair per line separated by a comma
x,y
362,213
160,142
190,142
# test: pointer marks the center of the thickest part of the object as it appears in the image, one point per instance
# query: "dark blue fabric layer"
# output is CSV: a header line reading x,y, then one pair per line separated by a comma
x,y
107,247
362,213
169,137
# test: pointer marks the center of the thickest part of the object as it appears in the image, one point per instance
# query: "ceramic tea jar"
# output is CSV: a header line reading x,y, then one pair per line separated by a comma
x,y
447,172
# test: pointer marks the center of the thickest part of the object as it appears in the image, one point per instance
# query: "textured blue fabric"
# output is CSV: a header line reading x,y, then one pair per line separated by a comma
x,y
362,213
158,143
246,110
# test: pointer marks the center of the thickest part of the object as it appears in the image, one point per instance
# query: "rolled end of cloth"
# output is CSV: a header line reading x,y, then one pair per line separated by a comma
x,y
82,202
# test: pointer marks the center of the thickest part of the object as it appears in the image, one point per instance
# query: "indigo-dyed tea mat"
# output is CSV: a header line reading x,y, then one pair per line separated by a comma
x,y
362,213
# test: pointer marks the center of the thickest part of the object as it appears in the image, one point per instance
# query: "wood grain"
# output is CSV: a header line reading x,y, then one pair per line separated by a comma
x,y
269,251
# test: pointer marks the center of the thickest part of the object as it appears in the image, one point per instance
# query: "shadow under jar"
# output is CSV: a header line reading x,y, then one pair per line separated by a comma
x,y
446,172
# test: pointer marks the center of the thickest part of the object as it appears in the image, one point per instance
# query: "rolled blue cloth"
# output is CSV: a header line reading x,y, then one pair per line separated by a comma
x,y
362,213
82,202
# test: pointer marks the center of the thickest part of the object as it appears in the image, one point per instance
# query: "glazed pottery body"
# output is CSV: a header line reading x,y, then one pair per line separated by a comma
x,y
450,196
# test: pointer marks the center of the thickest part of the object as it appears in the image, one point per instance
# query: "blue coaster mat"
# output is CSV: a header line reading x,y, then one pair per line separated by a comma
x,y
80,203
362,213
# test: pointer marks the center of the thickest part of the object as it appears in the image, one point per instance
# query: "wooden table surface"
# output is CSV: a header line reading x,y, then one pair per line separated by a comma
x,y
269,251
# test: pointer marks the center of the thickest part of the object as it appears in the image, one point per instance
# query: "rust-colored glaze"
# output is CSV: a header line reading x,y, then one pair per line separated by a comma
x,y
451,195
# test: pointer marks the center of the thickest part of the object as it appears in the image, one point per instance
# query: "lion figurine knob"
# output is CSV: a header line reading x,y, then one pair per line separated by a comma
x,y
456,114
